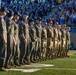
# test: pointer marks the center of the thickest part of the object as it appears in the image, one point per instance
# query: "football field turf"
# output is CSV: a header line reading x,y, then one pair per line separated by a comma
x,y
60,66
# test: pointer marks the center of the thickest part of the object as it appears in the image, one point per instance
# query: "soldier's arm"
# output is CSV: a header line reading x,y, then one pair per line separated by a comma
x,y
42,35
21,33
21,29
31,35
14,42
8,26
1,27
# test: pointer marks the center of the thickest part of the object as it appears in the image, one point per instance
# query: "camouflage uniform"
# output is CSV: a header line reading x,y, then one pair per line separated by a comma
x,y
59,42
23,41
10,41
16,47
43,43
38,34
3,42
50,36
67,39
32,32
55,42
24,52
63,42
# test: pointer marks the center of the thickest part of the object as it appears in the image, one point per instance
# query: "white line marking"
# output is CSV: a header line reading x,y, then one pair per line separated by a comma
x,y
61,68
25,70
38,65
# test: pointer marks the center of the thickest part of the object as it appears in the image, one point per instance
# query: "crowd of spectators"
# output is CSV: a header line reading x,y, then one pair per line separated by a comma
x,y
65,13
34,9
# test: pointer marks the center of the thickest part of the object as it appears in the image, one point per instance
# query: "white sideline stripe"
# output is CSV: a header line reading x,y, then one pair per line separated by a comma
x,y
35,67
38,65
60,68
25,70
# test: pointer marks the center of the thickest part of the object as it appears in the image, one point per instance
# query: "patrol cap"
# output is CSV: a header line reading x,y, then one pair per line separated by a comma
x,y
50,21
44,22
63,26
10,12
31,20
4,9
17,13
25,14
39,18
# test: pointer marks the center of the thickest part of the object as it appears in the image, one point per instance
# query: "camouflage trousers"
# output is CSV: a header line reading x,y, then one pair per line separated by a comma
x,y
43,49
49,51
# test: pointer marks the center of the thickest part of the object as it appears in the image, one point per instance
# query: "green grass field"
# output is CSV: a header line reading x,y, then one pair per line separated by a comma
x,y
62,66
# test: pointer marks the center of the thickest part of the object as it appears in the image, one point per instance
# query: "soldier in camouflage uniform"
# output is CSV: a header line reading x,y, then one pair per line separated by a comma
x,y
55,40
3,39
63,41
16,36
10,39
43,40
38,34
50,37
59,41
67,39
24,36
32,33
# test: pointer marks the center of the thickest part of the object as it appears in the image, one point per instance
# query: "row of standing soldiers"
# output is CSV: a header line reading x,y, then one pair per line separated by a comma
x,y
23,42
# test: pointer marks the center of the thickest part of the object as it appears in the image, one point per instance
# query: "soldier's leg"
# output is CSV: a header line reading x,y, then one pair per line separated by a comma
x,y
36,51
59,52
62,48
3,55
48,49
9,54
45,49
11,60
13,56
52,50
22,52
42,54
39,51
32,52
28,53
55,52
26,49
48,53
17,55
66,50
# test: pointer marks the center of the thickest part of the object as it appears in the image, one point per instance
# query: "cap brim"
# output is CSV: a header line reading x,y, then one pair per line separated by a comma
x,y
6,10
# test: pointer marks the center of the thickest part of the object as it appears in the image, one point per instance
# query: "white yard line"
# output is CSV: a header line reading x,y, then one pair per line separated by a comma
x,y
37,67
61,68
25,70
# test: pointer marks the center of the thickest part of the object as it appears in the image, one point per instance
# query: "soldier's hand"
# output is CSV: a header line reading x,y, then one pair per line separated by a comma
x,y
19,41
25,40
23,36
4,41
14,43
35,39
